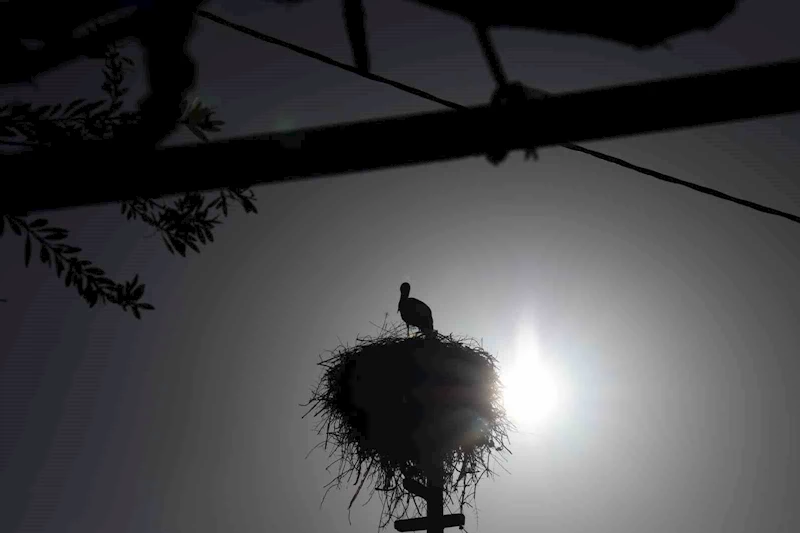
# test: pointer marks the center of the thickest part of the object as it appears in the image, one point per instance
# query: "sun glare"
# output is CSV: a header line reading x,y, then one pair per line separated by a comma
x,y
533,390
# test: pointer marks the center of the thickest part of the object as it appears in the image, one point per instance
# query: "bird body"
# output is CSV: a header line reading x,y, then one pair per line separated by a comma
x,y
414,312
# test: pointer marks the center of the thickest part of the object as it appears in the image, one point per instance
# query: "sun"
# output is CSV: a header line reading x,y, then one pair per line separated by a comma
x,y
533,388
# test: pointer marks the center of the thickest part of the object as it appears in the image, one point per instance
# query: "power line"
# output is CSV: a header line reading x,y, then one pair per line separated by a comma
x,y
454,105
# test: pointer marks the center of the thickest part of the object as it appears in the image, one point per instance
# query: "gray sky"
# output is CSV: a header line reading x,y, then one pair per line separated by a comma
x,y
672,315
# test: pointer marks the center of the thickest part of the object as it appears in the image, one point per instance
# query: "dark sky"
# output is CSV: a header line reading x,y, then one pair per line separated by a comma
x,y
671,315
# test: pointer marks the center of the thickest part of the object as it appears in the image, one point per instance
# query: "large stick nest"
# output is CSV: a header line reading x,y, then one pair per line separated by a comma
x,y
388,403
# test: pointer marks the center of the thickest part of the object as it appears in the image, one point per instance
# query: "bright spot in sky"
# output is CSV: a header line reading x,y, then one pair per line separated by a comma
x,y
534,391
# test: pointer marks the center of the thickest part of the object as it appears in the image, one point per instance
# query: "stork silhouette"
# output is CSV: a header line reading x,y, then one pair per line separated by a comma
x,y
414,312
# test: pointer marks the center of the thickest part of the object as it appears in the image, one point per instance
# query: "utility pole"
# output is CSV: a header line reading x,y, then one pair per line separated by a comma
x,y
432,464
633,109
435,500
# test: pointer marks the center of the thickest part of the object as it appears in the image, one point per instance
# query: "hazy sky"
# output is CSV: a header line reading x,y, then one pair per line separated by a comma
x,y
672,315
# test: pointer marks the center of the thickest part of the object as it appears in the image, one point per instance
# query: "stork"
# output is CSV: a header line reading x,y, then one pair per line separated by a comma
x,y
414,312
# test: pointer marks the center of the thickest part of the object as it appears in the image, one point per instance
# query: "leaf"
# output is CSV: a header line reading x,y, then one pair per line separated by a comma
x,y
59,267
138,292
209,235
249,206
38,223
146,306
74,104
68,278
197,132
91,297
193,246
95,271
86,109
168,245
135,280
28,250
14,226
42,111
179,246
136,313
44,255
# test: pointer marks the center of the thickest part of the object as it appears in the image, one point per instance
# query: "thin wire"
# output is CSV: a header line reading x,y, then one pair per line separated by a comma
x,y
453,105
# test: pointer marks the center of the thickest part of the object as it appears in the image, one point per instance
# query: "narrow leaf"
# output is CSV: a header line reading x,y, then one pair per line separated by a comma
x,y
198,132
28,250
86,109
91,298
179,246
138,292
146,306
38,223
74,104
44,255
15,227
168,245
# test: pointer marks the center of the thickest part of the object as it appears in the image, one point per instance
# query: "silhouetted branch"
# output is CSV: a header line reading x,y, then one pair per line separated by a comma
x,y
89,281
185,223
189,221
